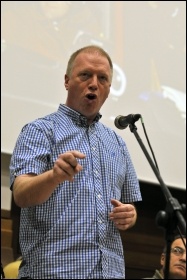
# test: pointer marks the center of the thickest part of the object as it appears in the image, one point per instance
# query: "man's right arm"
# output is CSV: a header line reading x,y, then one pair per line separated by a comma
x,y
31,189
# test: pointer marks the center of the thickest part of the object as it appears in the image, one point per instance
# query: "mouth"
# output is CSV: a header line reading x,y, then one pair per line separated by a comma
x,y
91,96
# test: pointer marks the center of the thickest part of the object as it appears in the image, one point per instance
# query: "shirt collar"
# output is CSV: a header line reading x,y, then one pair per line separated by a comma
x,y
78,118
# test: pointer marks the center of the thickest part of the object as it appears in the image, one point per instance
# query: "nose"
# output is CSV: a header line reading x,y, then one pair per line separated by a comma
x,y
183,257
93,85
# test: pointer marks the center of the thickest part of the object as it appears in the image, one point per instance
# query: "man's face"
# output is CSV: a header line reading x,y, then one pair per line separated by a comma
x,y
89,83
177,260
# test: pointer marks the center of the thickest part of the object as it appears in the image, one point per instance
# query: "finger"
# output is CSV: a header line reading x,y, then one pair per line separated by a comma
x,y
71,157
78,154
115,202
122,227
61,166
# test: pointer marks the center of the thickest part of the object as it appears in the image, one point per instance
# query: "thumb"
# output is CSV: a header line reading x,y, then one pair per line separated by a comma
x,y
115,202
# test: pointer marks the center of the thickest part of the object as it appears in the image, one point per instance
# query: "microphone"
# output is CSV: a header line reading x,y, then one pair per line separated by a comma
x,y
122,122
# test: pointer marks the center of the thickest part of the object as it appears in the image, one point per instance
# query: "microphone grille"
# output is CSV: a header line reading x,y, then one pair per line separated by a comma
x,y
116,122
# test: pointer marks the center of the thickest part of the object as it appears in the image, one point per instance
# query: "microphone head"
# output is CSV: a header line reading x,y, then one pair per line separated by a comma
x,y
122,122
117,122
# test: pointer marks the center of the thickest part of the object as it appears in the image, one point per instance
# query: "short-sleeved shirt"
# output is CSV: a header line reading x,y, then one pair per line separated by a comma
x,y
70,236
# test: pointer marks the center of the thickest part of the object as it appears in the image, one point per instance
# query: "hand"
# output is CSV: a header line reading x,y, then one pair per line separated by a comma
x,y
67,166
123,215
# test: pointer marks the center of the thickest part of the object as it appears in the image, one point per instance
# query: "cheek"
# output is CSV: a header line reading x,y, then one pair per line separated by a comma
x,y
102,100
105,96
173,262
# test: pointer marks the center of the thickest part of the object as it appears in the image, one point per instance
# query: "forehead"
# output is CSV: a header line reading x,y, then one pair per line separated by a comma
x,y
91,59
178,242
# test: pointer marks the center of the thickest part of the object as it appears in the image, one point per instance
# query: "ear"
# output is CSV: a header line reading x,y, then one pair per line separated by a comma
x,y
66,81
162,259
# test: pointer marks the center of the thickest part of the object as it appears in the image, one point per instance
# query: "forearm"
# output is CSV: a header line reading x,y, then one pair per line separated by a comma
x,y
31,190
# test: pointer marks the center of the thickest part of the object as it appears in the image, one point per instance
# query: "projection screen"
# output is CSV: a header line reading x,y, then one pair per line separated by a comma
x,y
147,43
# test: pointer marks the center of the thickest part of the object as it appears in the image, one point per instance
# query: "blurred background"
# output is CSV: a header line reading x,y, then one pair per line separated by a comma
x,y
147,43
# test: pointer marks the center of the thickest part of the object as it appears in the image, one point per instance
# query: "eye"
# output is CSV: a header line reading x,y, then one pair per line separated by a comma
x,y
177,251
84,76
103,79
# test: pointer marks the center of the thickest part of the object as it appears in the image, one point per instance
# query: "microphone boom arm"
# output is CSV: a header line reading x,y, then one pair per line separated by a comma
x,y
173,204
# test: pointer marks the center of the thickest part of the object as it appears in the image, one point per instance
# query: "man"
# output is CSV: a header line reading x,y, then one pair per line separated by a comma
x,y
75,182
177,267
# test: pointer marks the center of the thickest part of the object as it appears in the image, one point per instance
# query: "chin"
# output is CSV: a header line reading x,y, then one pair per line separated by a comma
x,y
179,275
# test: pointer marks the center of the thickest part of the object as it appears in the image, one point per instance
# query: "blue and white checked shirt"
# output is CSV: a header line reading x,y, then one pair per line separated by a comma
x,y
70,235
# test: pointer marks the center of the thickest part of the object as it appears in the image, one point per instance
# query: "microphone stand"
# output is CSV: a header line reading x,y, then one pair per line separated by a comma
x,y
172,215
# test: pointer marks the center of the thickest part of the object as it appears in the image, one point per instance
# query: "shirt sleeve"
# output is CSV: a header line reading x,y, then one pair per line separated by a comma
x,y
31,152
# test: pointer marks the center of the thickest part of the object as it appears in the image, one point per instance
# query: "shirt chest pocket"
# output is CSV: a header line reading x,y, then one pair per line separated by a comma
x,y
115,166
